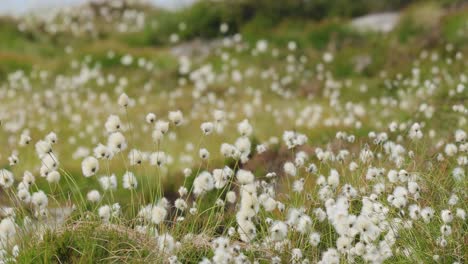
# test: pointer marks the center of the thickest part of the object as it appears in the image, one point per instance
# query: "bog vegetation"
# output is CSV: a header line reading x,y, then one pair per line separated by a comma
x,y
231,132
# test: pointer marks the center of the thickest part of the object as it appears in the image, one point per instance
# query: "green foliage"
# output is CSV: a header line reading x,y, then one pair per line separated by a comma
x,y
87,243
202,20
455,28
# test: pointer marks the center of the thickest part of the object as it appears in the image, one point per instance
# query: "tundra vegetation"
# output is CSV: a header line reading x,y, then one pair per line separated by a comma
x,y
234,132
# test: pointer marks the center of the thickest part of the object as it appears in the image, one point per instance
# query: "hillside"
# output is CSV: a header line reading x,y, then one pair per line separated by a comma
x,y
131,134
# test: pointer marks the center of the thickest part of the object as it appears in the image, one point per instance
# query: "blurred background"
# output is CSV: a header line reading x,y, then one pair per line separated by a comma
x,y
21,7
196,56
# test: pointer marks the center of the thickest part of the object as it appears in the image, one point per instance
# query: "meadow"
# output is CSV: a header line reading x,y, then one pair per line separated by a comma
x,y
234,132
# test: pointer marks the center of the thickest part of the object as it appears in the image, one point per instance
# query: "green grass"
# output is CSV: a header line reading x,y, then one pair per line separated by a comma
x,y
87,242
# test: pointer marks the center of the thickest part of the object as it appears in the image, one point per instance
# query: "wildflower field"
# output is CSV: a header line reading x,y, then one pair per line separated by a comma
x,y
234,132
